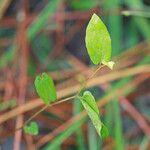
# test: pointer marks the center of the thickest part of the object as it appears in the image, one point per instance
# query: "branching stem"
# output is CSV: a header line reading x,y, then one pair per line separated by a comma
x,y
63,100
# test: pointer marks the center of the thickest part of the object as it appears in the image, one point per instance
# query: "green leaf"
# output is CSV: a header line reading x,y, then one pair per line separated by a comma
x,y
32,128
45,88
82,5
93,142
89,99
98,41
89,104
104,131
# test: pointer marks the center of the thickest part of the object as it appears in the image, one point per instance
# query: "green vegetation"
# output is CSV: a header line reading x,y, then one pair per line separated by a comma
x,y
45,86
32,128
81,93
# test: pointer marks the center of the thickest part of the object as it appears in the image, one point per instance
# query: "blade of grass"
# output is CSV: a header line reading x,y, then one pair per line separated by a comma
x,y
113,116
115,25
119,140
79,132
132,35
142,23
41,20
92,138
64,135
118,132
109,117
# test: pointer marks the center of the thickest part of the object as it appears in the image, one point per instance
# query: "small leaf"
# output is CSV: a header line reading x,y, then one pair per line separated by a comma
x,y
89,104
98,41
45,88
32,128
109,64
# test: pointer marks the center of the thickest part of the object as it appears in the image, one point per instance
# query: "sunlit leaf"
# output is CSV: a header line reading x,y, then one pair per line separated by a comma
x,y
98,41
45,88
32,128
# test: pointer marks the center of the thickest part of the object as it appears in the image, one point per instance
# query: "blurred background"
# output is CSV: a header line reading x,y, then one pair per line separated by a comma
x,y
48,36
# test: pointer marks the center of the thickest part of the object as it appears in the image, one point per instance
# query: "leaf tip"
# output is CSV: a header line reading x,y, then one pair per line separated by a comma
x,y
95,18
94,15
104,132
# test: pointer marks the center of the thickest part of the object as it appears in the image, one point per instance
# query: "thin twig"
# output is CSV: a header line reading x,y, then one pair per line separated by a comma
x,y
95,72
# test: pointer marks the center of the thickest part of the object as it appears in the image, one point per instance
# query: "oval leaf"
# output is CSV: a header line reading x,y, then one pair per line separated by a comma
x,y
32,128
98,41
45,88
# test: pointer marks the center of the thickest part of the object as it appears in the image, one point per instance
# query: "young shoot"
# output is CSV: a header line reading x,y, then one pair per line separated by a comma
x,y
98,44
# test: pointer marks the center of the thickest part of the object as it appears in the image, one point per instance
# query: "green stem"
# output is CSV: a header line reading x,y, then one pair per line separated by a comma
x,y
63,100
45,107
85,82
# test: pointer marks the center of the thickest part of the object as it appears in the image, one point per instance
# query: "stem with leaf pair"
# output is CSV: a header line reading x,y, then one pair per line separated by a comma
x,y
98,44
63,100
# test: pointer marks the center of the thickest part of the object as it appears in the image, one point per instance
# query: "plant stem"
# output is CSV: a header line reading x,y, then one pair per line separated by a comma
x,y
45,107
94,73
38,112
63,100
41,110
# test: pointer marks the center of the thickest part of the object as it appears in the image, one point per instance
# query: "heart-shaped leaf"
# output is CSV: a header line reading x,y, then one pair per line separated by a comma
x,y
89,104
32,128
98,41
45,88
